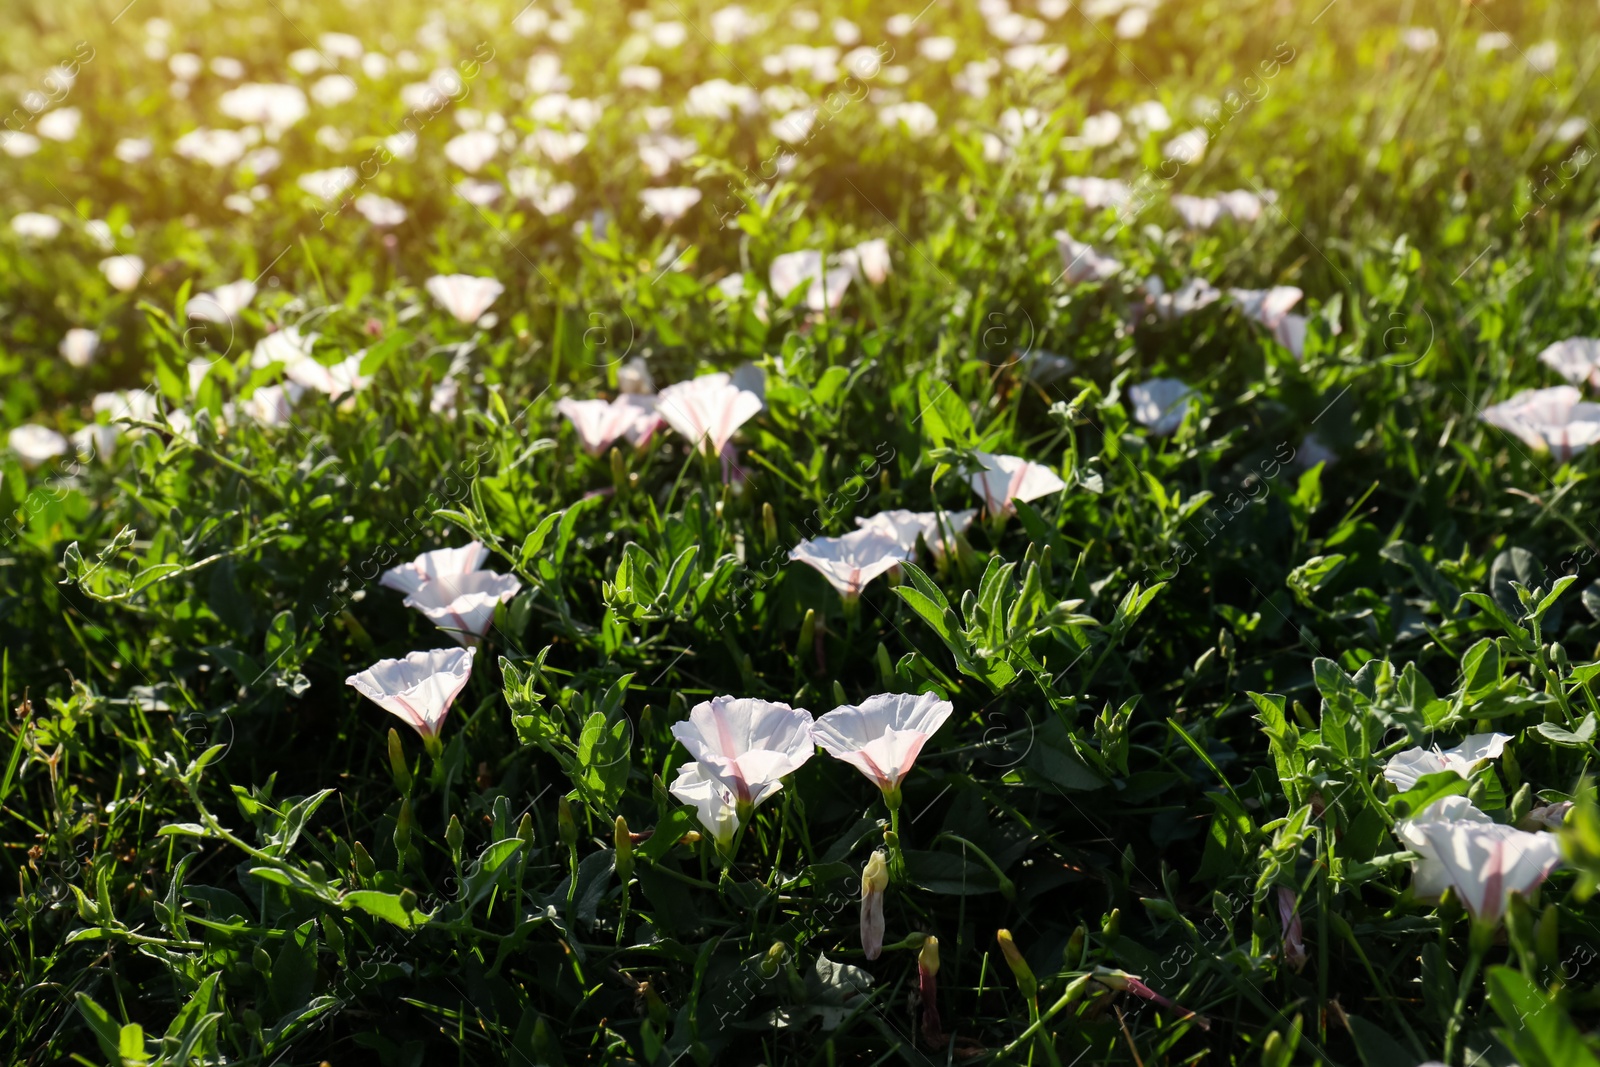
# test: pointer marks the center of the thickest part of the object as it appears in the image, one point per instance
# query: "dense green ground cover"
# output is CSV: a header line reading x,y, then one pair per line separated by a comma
x,y
1176,682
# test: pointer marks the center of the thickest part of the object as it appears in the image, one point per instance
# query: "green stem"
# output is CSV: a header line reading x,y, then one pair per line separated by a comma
x,y
1463,988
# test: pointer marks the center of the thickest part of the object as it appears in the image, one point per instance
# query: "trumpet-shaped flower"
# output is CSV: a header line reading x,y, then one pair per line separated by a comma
x,y
1557,420
1267,306
442,563
36,444
78,347
868,261
747,745
669,204
123,272
937,528
380,211
1577,359
224,302
464,606
713,802
1485,864
707,410
1429,877
288,346
882,736
825,282
1007,478
1160,404
1198,212
600,422
851,561
1405,768
464,296
874,880
1081,262
334,380
419,688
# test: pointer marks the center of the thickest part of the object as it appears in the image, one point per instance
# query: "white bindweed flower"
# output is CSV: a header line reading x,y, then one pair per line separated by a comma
x,y
826,283
851,561
18,144
464,296
445,563
464,606
219,148
34,226
419,688
59,125
1198,212
37,444
936,528
1267,306
598,423
746,745
1241,204
874,880
224,302
634,377
882,736
1081,262
669,204
275,107
123,272
79,346
287,345
380,210
1577,359
714,803
472,151
270,405
331,90
1160,404
868,261
333,380
1429,878
1485,864
1004,479
1193,295
707,410
328,185
1405,768
1557,420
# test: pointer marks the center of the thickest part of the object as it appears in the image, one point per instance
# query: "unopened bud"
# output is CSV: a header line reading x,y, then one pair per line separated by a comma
x,y
1027,985
398,768
408,901
928,958
525,829
1072,956
769,524
402,827
365,868
624,846
455,837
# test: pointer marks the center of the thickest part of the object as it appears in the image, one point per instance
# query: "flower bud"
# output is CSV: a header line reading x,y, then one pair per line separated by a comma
x,y
928,991
769,524
874,880
525,829
455,837
408,901
365,868
619,469
1072,955
624,846
398,767
402,827
261,961
1027,985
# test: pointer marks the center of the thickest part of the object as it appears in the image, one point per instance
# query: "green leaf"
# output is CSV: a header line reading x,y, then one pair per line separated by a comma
x,y
1053,757
603,760
949,873
1538,1031
385,906
106,1030
1494,611
1312,576
667,833
1481,669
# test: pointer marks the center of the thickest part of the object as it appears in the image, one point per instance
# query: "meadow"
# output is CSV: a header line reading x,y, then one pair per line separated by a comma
x,y
1022,532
